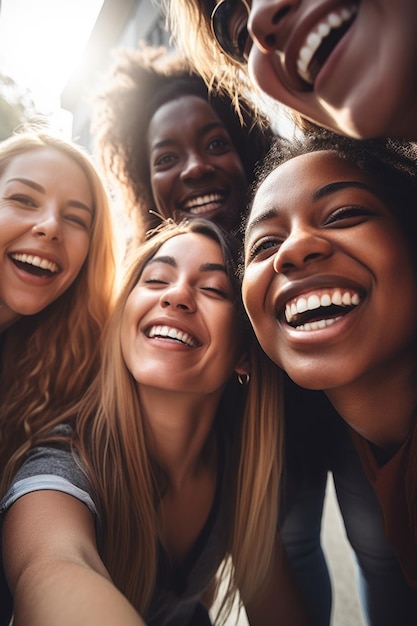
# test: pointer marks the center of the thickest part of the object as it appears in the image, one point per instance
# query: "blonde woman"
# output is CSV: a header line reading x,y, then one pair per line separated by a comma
x,y
57,269
166,467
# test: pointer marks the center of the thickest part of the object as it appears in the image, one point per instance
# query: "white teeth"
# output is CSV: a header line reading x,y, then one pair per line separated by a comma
x,y
199,205
172,333
315,38
315,301
36,261
318,325
301,305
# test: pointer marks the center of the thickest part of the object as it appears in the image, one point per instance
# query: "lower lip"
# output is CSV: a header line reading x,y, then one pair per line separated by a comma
x,y
168,344
31,279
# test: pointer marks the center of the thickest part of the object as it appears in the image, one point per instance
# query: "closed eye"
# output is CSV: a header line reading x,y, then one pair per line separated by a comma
x,y
78,221
25,200
347,216
219,292
155,281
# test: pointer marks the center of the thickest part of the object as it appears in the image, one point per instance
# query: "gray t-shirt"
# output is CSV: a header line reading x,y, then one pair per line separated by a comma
x,y
177,592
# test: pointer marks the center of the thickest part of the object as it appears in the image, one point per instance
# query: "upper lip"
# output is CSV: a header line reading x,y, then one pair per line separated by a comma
x,y
313,286
36,257
174,324
298,34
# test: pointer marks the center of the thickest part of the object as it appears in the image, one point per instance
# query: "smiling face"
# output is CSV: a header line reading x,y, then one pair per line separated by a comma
x,y
334,61
329,282
46,214
195,169
179,329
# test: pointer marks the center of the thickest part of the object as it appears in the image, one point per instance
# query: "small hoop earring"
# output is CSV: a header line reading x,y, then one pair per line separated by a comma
x,y
243,379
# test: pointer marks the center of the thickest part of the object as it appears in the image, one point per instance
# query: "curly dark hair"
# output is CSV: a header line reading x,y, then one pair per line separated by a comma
x,y
391,163
140,81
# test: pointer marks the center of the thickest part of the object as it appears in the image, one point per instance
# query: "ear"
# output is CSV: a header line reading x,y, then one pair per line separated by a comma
x,y
243,365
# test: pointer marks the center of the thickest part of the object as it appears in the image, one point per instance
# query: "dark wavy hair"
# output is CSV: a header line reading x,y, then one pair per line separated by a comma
x,y
140,82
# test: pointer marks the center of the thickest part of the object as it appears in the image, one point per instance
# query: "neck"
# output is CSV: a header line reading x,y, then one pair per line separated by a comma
x,y
179,426
382,407
7,317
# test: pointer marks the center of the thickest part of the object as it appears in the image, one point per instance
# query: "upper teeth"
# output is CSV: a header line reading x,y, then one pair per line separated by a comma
x,y
36,261
173,333
313,41
315,301
199,203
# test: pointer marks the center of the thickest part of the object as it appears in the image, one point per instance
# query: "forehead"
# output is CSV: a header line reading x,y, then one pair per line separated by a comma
x,y
191,249
301,176
41,161
187,112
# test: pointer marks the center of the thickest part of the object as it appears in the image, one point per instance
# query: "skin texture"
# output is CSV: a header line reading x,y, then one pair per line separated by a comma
x,y
310,238
194,167
56,568
45,211
184,287
372,68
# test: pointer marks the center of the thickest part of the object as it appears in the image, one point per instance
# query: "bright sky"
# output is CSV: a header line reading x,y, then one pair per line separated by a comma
x,y
42,42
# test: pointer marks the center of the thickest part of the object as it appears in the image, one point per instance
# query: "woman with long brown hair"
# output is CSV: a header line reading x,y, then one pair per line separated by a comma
x,y
168,465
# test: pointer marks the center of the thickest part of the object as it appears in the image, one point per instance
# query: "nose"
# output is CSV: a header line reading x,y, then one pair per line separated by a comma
x,y
300,249
266,21
196,167
178,297
47,226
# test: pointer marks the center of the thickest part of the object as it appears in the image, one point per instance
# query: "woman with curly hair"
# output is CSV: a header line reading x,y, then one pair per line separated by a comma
x,y
330,288
171,146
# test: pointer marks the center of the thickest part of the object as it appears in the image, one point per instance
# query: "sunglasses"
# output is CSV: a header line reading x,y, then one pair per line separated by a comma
x,y
229,21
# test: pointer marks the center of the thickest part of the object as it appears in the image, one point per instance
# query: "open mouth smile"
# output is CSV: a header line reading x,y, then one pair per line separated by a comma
x,y
204,203
34,264
322,40
173,334
317,310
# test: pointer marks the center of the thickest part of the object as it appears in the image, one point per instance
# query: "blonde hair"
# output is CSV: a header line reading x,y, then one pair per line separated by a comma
x,y
110,438
50,358
189,21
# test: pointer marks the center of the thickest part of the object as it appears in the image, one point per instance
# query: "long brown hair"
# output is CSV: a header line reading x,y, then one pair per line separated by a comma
x,y
111,440
50,358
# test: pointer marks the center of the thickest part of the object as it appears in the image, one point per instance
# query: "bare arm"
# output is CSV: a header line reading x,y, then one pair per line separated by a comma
x,y
54,570
278,602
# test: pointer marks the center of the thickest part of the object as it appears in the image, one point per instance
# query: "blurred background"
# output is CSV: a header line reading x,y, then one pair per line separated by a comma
x,y
54,53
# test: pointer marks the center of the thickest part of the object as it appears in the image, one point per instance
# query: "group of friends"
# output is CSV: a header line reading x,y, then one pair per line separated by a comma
x,y
170,431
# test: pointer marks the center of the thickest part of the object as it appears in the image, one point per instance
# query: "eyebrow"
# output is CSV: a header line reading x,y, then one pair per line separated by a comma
x,y
326,190
201,131
318,194
259,219
204,267
41,189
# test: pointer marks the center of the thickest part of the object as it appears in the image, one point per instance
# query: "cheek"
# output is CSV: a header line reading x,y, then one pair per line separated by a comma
x,y
238,173
253,292
161,185
78,253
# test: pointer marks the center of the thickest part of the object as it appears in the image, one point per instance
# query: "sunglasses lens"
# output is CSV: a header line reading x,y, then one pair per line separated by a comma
x,y
229,23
